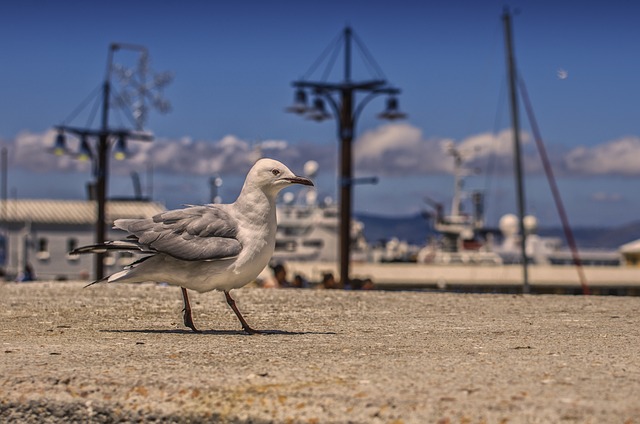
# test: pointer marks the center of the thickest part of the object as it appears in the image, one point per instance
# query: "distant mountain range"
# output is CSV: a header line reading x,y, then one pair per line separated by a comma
x,y
415,229
603,237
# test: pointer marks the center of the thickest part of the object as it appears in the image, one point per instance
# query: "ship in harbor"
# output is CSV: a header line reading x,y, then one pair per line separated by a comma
x,y
308,227
463,253
307,231
464,238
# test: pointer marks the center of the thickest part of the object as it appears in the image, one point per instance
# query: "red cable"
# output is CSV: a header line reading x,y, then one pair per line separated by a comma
x,y
554,189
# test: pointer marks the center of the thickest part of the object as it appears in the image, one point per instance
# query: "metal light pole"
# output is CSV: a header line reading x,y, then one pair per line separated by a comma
x,y
105,138
342,98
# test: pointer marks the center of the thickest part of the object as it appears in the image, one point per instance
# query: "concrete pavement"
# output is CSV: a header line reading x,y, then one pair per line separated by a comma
x,y
120,353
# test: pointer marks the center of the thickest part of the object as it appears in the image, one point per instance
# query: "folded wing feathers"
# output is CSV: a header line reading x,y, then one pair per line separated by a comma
x,y
194,234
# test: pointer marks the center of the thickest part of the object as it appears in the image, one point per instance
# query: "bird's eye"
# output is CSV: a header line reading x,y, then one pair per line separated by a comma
x,y
275,172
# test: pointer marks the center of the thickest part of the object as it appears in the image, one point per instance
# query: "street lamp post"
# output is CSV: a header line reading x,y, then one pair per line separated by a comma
x,y
104,138
342,98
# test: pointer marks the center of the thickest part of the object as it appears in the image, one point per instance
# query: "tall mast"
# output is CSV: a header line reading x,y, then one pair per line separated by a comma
x,y
515,126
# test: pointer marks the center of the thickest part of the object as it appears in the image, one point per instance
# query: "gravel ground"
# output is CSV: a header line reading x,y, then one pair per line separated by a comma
x,y
115,353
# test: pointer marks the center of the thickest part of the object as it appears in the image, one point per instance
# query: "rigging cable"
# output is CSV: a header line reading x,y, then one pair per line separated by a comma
x,y
554,187
93,112
320,59
82,105
368,58
492,157
330,62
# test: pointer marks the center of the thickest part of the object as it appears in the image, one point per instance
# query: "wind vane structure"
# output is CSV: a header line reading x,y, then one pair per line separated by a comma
x,y
141,88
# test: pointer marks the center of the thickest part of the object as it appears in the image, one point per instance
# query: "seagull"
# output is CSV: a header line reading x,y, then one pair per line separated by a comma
x,y
206,247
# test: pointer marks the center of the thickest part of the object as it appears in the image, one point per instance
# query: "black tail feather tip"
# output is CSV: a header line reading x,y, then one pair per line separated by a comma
x,y
96,282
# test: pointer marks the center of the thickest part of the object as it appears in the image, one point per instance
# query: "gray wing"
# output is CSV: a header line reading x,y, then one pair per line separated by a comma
x,y
195,233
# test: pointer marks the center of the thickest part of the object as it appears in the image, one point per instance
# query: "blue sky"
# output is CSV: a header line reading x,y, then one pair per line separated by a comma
x,y
233,64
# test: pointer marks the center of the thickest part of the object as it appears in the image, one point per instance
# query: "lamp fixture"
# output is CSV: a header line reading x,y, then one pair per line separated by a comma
x,y
392,112
85,151
60,148
120,152
300,103
318,112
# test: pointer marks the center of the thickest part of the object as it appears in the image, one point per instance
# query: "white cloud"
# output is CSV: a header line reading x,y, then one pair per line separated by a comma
x,y
188,157
487,144
230,155
402,150
494,152
274,144
616,157
34,152
389,150
399,149
606,197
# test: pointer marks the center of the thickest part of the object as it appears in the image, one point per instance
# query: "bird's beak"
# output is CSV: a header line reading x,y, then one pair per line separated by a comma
x,y
299,180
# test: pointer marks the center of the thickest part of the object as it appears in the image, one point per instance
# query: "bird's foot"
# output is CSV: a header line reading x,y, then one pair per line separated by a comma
x,y
186,311
193,328
251,331
245,326
188,322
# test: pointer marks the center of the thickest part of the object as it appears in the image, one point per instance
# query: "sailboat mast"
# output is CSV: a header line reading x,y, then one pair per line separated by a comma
x,y
515,126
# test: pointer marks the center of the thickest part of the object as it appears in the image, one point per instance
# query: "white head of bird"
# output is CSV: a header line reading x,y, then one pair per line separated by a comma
x,y
271,176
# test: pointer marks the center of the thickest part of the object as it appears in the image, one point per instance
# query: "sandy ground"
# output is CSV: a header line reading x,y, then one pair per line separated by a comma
x,y
120,353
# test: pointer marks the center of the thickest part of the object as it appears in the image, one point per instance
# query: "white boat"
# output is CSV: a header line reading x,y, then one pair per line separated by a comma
x,y
464,256
308,228
464,239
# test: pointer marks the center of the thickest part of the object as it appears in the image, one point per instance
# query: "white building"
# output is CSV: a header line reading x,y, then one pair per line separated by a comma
x,y
631,253
42,232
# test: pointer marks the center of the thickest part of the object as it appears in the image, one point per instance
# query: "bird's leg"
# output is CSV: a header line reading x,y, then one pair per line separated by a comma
x,y
188,319
232,303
